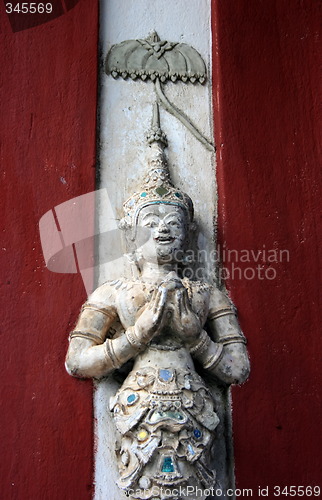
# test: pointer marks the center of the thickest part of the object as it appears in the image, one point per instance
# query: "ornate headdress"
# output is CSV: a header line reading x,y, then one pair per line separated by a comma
x,y
157,186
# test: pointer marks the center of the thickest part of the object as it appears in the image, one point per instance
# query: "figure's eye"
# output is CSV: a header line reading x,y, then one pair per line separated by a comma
x,y
174,222
151,223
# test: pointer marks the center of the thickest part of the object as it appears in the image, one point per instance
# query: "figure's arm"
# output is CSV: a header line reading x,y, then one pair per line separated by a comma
x,y
92,354
226,355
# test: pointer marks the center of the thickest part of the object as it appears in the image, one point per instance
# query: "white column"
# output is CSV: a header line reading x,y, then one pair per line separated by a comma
x,y
124,117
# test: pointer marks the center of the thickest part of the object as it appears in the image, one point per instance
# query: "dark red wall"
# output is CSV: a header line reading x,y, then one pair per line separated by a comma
x,y
266,93
267,90
48,119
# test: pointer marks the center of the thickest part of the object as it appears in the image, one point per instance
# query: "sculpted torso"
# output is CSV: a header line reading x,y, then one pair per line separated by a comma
x,y
127,300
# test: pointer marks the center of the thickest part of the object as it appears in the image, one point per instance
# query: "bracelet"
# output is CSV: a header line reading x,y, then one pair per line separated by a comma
x,y
221,312
85,335
201,344
133,340
110,354
214,359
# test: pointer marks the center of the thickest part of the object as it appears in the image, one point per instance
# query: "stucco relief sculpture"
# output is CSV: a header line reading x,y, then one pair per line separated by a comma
x,y
176,331
161,62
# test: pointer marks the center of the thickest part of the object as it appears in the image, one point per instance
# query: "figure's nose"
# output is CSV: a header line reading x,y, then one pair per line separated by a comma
x,y
163,228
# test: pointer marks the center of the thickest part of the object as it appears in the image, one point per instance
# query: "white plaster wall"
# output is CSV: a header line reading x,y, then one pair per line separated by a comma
x,y
125,115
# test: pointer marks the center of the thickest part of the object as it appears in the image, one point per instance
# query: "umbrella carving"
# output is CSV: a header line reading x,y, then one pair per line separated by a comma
x,y
160,61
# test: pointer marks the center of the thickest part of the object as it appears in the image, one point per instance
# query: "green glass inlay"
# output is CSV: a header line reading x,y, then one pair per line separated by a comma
x,y
161,415
167,465
143,195
161,191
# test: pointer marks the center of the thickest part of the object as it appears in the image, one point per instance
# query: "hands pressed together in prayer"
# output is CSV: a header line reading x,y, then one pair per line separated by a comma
x,y
169,306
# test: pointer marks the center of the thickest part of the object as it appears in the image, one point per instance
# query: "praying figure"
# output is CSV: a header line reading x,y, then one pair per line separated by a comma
x,y
176,331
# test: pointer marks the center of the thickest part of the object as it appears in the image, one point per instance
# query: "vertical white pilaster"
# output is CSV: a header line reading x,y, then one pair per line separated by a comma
x,y
125,115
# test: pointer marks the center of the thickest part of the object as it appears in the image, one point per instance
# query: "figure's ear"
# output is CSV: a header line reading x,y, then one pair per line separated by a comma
x,y
124,224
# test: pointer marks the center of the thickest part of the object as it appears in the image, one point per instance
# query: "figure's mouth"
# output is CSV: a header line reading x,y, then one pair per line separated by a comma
x,y
164,239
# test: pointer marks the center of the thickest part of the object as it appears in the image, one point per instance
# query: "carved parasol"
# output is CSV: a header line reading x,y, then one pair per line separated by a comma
x,y
159,61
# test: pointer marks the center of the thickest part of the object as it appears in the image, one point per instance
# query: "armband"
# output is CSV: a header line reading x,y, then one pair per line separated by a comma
x,y
93,323
227,311
232,339
91,307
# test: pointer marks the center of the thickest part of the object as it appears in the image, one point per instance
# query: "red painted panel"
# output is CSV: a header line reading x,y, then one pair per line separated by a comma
x,y
268,135
48,120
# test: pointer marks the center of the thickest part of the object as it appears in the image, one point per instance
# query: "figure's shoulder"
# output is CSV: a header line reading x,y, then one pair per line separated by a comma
x,y
219,300
103,297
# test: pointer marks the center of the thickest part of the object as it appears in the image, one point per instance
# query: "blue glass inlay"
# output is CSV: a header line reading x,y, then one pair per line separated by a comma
x,y
191,450
167,465
143,195
131,398
197,433
165,375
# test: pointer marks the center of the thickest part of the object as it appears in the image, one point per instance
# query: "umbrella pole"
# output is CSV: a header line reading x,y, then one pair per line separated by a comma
x,y
173,110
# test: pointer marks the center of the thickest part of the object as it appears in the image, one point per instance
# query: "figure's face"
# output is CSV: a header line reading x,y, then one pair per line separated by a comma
x,y
167,225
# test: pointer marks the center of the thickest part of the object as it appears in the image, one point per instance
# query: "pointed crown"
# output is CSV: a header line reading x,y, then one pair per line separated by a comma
x,y
157,186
